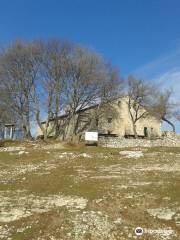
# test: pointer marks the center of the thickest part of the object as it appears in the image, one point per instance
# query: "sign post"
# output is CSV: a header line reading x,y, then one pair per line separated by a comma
x,y
91,138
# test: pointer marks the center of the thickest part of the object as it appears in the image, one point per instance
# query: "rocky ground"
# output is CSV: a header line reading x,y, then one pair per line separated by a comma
x,y
52,191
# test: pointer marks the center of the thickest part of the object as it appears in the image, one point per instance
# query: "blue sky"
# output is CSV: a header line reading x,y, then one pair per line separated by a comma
x,y
138,36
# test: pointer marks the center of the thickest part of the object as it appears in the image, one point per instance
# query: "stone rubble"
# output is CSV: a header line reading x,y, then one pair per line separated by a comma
x,y
18,204
92,223
119,142
132,154
164,214
11,149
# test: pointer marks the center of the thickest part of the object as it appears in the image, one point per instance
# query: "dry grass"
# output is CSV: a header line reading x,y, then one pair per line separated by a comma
x,y
118,191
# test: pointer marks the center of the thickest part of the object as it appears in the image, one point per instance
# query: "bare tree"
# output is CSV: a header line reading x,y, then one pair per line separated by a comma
x,y
90,80
17,76
177,111
177,115
50,84
42,79
139,100
7,114
164,108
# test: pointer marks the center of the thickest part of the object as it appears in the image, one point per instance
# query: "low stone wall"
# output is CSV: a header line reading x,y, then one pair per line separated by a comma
x,y
117,142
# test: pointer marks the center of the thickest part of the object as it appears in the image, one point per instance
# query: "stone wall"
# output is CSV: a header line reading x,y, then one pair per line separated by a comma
x,y
117,142
120,121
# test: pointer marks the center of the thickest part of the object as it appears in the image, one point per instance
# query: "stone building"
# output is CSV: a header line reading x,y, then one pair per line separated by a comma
x,y
109,120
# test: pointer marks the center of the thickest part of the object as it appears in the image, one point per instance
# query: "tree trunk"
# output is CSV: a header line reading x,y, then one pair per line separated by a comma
x,y
57,130
132,119
27,132
66,129
73,125
76,124
26,126
43,129
57,104
170,123
45,135
135,131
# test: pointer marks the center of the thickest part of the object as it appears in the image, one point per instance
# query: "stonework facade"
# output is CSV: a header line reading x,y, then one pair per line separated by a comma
x,y
113,119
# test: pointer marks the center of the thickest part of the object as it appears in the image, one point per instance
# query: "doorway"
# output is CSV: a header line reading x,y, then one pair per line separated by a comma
x,y
145,131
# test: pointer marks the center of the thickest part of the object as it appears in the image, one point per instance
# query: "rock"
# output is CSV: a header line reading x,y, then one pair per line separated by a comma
x,y
118,221
132,154
91,222
21,152
177,219
23,205
120,142
130,235
12,149
164,214
98,200
85,155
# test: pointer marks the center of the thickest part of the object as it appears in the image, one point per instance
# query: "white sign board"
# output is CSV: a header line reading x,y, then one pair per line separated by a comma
x,y
91,136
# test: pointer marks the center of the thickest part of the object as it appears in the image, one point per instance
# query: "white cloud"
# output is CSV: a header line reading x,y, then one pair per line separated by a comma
x,y
165,71
168,62
170,80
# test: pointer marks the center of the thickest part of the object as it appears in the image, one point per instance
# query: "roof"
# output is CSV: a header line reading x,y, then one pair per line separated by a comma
x,y
7,124
78,111
83,109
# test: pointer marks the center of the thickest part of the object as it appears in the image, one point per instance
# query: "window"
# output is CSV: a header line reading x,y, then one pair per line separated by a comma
x,y
109,120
